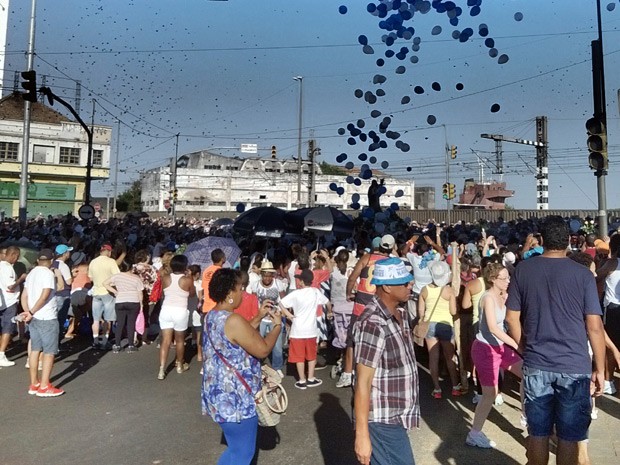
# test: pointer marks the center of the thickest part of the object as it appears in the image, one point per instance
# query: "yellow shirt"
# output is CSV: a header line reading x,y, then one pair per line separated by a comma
x,y
99,270
437,309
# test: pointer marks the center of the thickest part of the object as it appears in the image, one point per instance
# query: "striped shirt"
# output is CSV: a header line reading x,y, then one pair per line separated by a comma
x,y
385,345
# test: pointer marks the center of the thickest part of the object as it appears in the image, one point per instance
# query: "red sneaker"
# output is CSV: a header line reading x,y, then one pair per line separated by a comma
x,y
437,393
49,391
33,388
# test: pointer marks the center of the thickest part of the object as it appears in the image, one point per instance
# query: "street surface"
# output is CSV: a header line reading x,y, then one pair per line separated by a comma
x,y
116,412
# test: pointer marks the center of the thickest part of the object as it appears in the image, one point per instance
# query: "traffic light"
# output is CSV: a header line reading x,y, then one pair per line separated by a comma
x,y
597,145
446,190
273,152
451,191
175,194
30,84
453,152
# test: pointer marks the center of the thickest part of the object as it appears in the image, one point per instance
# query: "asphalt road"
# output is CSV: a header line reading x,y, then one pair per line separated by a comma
x,y
116,412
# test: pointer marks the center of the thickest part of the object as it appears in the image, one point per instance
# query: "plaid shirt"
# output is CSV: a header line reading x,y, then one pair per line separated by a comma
x,y
381,343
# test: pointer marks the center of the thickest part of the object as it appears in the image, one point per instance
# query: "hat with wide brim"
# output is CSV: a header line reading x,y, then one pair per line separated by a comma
x,y
267,267
440,272
390,272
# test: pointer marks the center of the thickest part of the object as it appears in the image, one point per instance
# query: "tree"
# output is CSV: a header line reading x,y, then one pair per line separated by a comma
x,y
131,199
326,168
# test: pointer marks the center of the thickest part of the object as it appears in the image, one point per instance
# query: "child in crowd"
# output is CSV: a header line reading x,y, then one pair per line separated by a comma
x,y
303,337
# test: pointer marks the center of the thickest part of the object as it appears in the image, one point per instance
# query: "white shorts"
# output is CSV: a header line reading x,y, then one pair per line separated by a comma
x,y
196,320
173,318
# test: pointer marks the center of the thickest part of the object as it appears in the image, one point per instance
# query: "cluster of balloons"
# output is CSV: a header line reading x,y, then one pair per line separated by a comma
x,y
395,17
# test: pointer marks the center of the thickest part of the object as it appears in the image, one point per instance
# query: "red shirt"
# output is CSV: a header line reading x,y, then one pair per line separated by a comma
x,y
249,306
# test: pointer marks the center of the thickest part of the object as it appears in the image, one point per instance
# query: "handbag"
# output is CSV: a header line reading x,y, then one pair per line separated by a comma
x,y
421,329
271,400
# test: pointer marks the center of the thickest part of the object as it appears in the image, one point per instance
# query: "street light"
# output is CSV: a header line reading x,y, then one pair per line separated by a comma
x,y
299,79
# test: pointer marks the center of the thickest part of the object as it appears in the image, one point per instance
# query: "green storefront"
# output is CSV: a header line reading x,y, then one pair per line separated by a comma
x,y
43,198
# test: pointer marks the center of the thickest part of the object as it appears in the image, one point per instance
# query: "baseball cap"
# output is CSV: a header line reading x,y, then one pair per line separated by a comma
x,y
391,272
62,248
306,276
376,242
46,254
106,246
387,241
509,258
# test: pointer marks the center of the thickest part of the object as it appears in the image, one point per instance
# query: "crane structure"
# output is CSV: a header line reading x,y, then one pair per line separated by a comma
x,y
542,159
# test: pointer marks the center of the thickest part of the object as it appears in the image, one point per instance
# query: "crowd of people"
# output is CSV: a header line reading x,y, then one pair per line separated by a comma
x,y
532,298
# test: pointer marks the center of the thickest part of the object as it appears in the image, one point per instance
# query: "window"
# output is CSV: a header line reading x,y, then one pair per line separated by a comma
x,y
8,150
262,197
212,167
69,156
97,157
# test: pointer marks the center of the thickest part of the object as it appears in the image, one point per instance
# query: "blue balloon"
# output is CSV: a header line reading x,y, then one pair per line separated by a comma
x,y
357,182
362,157
333,186
431,119
399,192
385,164
340,190
349,165
394,206
342,9
355,197
240,207
349,179
372,160
355,206
436,31
363,40
519,15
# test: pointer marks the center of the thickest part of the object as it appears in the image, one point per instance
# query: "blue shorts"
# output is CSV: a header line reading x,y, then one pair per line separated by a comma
x,y
6,316
44,335
442,331
560,399
104,307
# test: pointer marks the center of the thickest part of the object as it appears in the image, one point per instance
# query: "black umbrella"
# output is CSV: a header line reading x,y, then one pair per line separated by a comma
x,y
220,222
321,220
262,222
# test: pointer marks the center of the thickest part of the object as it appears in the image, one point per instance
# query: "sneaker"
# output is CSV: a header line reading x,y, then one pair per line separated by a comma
x,y
457,390
5,362
594,414
476,398
162,373
116,349
345,380
523,421
280,373
33,388
314,382
49,391
609,388
479,440
182,367
301,385
131,349
499,400
437,393
320,366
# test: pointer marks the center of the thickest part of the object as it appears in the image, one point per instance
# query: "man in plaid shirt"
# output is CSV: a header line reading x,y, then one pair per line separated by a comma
x,y
386,387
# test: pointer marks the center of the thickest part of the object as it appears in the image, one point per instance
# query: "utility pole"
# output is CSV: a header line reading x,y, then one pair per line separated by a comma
x,y
299,79
597,126
313,152
174,180
23,182
118,153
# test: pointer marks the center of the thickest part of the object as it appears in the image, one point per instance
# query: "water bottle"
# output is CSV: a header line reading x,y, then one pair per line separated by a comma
x,y
17,318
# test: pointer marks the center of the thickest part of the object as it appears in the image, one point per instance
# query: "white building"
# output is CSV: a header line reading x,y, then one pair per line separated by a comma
x,y
208,182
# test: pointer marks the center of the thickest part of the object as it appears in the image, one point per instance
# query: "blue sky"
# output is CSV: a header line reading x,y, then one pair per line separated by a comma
x,y
221,74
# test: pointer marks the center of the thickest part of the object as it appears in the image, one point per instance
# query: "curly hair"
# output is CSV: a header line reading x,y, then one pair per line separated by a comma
x,y
491,272
555,233
223,282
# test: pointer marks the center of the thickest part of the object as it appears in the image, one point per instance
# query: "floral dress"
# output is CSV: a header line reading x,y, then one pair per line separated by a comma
x,y
224,397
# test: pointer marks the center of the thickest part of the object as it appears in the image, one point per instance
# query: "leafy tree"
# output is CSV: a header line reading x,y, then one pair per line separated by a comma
x,y
326,168
130,200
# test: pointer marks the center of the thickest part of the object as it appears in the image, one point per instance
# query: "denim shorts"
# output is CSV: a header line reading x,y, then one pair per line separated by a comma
x,y
103,307
44,335
6,315
560,399
442,331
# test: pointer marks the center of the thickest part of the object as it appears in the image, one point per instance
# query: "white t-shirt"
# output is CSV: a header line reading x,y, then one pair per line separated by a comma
x,y
291,276
267,293
38,279
7,278
304,303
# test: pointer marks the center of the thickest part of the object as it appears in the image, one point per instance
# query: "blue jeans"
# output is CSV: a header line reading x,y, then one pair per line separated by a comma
x,y
277,357
562,399
63,303
241,441
390,445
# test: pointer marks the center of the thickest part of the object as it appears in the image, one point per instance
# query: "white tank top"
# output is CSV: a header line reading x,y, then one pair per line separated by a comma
x,y
612,287
174,296
338,283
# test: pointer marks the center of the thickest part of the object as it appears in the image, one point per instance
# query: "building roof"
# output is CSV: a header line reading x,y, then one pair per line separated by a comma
x,y
12,108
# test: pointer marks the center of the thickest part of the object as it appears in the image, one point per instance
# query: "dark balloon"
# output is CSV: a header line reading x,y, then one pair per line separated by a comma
x,y
341,131
380,61
362,157
493,52
436,31
405,100
400,70
399,192
519,15
375,113
459,86
418,89
342,9
495,108
349,165
240,207
359,93
502,59
385,164
372,160
436,86
431,119
368,50
409,168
